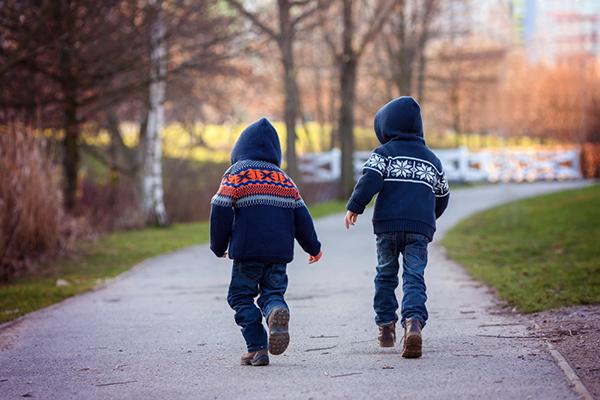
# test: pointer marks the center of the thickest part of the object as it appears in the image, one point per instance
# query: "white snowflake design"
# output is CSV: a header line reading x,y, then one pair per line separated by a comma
x,y
441,187
409,169
376,162
401,168
425,172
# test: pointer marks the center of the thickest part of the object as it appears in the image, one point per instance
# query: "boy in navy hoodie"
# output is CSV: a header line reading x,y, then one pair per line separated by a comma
x,y
412,193
257,213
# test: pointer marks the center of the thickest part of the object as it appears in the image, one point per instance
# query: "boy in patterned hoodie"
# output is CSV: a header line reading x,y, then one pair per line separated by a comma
x,y
412,193
257,213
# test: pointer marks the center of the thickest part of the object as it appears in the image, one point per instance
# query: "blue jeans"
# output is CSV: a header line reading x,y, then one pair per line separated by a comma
x,y
251,279
413,247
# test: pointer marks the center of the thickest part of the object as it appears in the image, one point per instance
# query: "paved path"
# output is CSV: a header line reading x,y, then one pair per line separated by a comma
x,y
164,331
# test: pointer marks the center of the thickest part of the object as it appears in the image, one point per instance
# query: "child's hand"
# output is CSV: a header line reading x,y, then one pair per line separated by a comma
x,y
314,259
350,219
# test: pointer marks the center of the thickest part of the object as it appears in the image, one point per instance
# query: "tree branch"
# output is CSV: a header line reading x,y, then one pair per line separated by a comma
x,y
95,153
328,39
254,19
381,14
309,12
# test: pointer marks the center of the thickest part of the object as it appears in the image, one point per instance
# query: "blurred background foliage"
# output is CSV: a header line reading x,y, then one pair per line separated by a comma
x,y
121,114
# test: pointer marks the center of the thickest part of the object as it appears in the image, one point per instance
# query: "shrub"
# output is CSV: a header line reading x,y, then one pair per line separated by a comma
x,y
32,220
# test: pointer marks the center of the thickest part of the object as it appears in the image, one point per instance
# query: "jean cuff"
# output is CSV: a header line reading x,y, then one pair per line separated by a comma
x,y
270,310
387,322
423,323
252,349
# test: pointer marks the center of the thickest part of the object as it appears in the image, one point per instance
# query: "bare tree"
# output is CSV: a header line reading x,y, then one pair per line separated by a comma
x,y
292,17
348,52
73,62
153,203
405,41
430,9
54,64
186,43
460,78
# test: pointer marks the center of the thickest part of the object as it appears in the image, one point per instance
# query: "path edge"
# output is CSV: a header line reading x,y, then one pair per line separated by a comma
x,y
106,282
576,383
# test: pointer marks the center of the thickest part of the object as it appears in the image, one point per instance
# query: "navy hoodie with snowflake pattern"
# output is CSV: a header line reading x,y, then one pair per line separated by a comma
x,y
405,174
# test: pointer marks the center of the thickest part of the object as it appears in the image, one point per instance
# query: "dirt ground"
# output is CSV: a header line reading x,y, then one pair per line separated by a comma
x,y
575,332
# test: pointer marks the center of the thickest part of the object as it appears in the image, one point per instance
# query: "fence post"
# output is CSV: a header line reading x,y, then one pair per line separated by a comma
x,y
336,163
463,163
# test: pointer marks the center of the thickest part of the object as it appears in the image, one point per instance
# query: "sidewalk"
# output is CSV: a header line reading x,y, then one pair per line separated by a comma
x,y
165,331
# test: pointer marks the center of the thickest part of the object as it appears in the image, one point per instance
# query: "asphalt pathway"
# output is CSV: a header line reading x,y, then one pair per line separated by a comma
x,y
164,331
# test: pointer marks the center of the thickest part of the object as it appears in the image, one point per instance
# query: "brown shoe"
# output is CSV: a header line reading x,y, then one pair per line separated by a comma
x,y
412,339
279,337
387,335
256,358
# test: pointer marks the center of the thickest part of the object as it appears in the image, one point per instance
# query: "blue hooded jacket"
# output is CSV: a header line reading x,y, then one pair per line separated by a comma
x,y
258,211
408,178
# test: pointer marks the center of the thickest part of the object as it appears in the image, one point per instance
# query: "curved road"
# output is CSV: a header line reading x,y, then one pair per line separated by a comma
x,y
164,331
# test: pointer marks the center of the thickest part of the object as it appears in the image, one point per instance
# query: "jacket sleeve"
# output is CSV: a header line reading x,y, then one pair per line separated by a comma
x,y
442,195
305,230
221,217
369,184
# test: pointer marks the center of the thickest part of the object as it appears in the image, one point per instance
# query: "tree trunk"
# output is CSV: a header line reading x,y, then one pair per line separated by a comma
x,y
70,107
404,61
70,155
455,109
404,77
347,65
152,185
331,115
320,108
290,113
422,68
431,9
346,123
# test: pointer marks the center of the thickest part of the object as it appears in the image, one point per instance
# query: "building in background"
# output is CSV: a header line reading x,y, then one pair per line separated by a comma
x,y
487,22
555,31
550,31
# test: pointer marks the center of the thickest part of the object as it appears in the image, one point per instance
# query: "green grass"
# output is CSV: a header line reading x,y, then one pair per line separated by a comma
x,y
104,259
327,207
540,253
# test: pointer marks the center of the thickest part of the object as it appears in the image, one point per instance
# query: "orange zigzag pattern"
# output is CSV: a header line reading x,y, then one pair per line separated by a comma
x,y
258,189
257,175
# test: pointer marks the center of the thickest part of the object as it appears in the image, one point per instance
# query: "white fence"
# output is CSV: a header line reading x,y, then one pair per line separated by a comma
x,y
502,165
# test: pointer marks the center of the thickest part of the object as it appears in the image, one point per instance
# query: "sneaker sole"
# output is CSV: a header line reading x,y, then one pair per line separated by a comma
x,y
412,347
279,337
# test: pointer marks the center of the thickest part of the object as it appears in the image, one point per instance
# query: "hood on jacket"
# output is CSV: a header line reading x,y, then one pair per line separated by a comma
x,y
259,141
399,119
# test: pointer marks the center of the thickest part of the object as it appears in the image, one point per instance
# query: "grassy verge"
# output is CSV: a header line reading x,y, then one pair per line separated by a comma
x,y
539,253
104,259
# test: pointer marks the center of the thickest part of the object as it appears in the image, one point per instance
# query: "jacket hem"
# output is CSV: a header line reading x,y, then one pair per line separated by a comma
x,y
262,259
403,225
